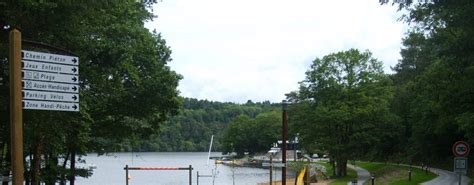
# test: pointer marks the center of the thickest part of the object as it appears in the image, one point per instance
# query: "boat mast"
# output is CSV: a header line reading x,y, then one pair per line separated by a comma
x,y
210,148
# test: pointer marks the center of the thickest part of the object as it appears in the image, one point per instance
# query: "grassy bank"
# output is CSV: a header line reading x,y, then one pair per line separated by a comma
x,y
288,181
351,175
395,174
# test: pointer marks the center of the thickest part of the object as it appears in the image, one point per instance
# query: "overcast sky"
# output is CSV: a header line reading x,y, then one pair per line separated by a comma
x,y
239,50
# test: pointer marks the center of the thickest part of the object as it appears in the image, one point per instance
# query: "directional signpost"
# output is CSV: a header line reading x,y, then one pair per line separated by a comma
x,y
16,113
50,96
461,151
50,86
50,81
41,81
49,77
53,68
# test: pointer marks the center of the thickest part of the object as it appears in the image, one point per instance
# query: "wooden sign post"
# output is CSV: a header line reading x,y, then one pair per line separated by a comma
x,y
16,112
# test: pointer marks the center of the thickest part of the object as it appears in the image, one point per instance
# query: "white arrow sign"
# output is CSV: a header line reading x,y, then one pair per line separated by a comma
x,y
50,86
48,57
48,67
50,96
46,105
50,77
50,81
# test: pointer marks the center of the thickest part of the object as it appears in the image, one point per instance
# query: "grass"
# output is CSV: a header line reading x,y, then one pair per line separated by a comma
x,y
470,174
371,166
447,164
395,174
351,175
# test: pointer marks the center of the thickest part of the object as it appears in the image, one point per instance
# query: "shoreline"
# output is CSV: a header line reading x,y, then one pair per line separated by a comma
x,y
292,181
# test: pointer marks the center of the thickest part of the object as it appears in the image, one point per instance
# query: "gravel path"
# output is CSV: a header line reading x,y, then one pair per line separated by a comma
x,y
362,174
446,178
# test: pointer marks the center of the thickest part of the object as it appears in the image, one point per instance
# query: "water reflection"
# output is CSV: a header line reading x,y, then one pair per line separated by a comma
x,y
110,170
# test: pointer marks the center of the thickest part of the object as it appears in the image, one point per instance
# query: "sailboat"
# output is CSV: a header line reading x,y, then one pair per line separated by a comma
x,y
214,171
210,148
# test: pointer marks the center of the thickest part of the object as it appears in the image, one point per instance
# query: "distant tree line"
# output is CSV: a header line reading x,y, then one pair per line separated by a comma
x,y
191,129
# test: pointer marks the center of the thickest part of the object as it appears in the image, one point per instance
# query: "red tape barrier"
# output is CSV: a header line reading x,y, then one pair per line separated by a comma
x,y
155,168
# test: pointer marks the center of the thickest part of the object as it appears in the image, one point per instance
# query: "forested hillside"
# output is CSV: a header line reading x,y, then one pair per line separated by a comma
x,y
196,122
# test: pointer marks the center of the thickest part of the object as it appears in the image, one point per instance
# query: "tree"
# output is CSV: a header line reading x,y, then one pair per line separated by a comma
x,y
345,101
244,134
434,95
236,136
267,130
418,53
127,89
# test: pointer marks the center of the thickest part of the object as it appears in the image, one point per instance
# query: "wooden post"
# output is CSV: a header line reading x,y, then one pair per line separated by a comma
x,y
16,112
284,138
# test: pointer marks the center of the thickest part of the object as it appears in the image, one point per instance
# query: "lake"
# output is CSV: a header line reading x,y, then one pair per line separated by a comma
x,y
110,170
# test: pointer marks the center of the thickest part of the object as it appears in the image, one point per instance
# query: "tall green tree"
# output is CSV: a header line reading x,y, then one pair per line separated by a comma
x,y
127,89
345,99
267,130
244,134
437,90
418,53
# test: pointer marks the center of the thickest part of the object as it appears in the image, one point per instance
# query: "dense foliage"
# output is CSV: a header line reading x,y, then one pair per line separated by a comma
x,y
247,135
343,105
127,89
415,118
196,122
434,79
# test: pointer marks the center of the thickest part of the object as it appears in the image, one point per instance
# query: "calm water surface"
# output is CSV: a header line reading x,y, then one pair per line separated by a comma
x,y
110,170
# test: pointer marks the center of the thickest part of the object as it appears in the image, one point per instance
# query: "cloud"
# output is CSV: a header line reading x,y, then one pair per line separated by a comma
x,y
236,50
